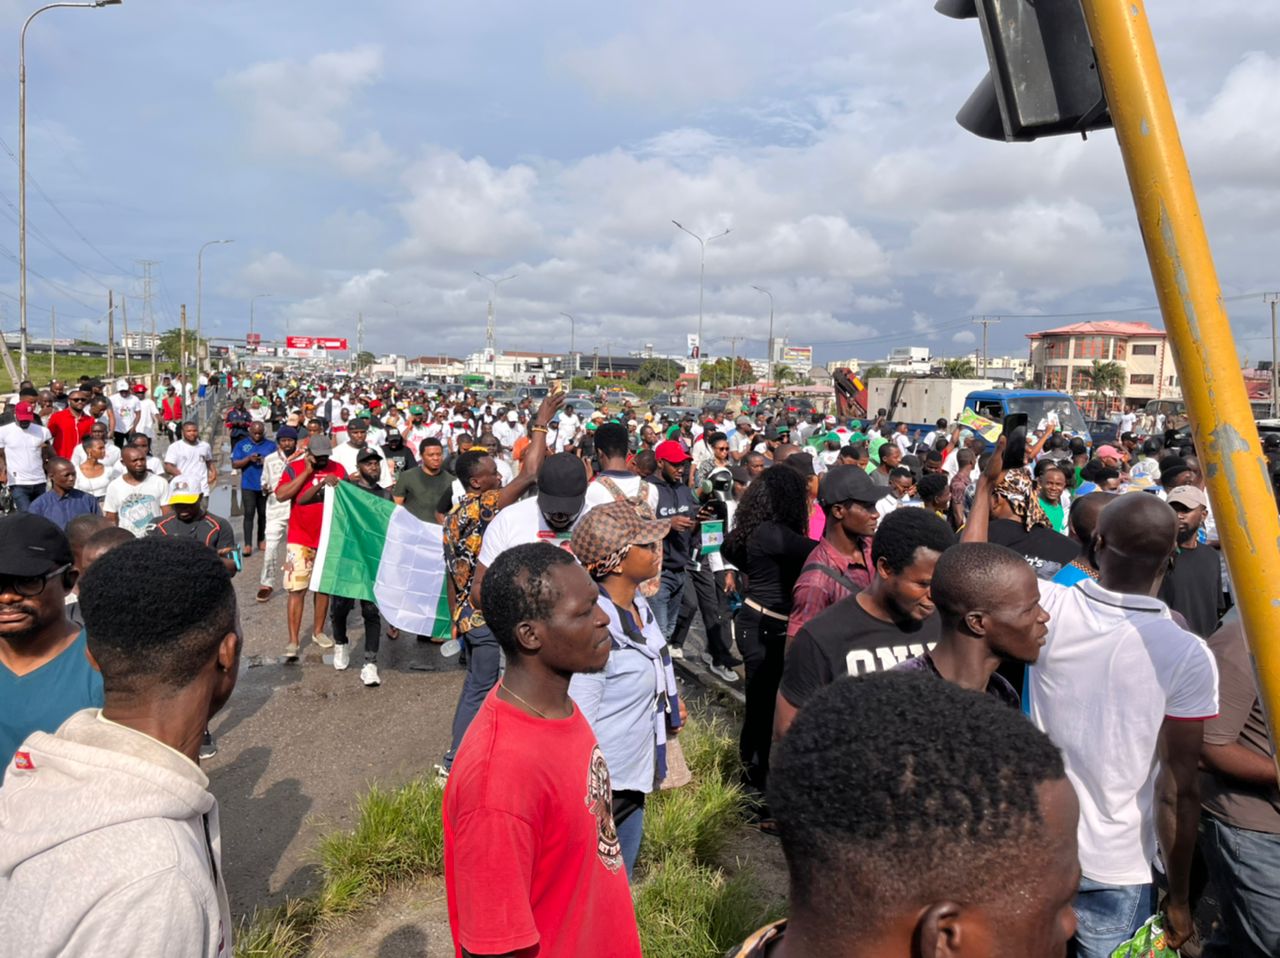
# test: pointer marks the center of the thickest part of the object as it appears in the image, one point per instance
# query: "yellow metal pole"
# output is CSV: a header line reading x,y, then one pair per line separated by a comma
x,y
1204,351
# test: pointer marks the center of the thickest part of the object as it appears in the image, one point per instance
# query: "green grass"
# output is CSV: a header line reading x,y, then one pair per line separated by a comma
x,y
687,906
70,368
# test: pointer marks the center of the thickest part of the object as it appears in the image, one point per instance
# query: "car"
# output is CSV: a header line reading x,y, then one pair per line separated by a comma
x,y
1103,431
716,405
579,394
677,413
582,407
799,406
536,393
663,399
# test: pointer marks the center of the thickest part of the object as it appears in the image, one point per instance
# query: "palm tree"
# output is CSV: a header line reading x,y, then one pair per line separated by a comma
x,y
1107,377
961,368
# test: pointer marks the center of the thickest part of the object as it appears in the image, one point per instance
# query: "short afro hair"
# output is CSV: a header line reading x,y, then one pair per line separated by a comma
x,y
155,611
517,588
465,466
902,532
429,443
894,790
931,486
613,440
970,576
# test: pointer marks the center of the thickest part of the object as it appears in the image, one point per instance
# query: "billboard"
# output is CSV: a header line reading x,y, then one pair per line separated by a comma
x,y
253,339
797,357
314,342
694,347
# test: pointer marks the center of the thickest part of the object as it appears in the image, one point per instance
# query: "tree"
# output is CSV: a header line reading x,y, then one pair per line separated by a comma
x,y
783,374
1106,377
365,359
874,372
170,345
726,372
961,368
658,370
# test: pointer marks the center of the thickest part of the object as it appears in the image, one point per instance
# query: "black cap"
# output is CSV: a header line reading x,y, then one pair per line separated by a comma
x,y
562,484
31,545
848,484
740,473
366,454
1170,468
777,430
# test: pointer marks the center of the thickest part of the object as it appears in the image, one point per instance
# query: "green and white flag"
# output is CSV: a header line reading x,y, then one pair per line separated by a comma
x,y
372,549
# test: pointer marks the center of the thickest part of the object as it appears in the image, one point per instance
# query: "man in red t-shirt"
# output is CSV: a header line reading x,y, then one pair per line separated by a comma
x,y
304,483
532,862
70,425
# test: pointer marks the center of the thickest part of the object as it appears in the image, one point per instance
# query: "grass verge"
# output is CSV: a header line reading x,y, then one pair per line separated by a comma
x,y
687,905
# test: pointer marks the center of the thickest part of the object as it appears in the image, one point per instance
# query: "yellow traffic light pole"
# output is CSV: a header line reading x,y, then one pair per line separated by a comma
x,y
1191,301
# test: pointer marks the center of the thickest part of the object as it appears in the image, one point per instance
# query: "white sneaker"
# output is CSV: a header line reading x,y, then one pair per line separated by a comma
x,y
676,652
369,675
724,673
341,656
322,640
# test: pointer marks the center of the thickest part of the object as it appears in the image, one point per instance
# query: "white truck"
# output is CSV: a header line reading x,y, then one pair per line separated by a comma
x,y
921,400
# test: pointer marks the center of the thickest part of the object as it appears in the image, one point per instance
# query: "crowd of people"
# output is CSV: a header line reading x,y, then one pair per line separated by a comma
x,y
990,692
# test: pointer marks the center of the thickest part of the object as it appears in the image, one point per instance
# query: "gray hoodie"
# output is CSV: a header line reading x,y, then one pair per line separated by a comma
x,y
109,845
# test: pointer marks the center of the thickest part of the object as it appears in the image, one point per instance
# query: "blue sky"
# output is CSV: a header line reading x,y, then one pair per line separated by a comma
x,y
368,157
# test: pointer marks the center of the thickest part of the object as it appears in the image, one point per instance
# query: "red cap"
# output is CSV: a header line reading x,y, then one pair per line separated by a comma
x,y
23,412
139,388
671,451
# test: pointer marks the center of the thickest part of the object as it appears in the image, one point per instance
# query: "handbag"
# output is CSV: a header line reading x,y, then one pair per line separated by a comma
x,y
678,771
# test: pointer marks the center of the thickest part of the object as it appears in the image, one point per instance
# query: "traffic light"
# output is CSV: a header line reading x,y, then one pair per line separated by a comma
x,y
1043,79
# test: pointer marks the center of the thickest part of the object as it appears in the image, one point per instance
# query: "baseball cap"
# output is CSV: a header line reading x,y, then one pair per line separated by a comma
x,y
122,384
183,491
613,526
847,484
415,410
562,484
366,454
801,462
139,388
740,473
1171,467
1189,496
671,451
31,545
777,430
320,446
1107,452
286,432
23,412
513,416
742,421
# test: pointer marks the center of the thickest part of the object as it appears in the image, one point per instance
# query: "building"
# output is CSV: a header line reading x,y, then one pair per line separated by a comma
x,y
1063,358
139,342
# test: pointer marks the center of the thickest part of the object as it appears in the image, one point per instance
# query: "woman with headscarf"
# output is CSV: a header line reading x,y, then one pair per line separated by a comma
x,y
633,705
1019,522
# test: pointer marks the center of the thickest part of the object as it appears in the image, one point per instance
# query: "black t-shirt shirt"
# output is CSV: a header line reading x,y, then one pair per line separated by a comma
x,y
402,456
1194,587
846,639
774,559
1046,551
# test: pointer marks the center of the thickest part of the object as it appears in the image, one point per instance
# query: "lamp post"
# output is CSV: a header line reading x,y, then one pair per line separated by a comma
x,y
702,272
200,296
491,328
252,300
573,366
761,289
22,172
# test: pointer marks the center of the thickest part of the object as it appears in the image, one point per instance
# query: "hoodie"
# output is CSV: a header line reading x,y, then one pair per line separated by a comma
x,y
109,845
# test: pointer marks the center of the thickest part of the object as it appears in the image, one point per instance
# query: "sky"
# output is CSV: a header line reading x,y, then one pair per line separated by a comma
x,y
372,157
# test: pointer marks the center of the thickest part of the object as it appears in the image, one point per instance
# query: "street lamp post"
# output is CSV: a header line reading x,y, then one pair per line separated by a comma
x,y
702,273
491,328
761,289
22,172
252,300
573,366
200,296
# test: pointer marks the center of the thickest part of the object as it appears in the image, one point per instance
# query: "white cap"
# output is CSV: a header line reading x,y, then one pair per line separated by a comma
x,y
513,416
122,384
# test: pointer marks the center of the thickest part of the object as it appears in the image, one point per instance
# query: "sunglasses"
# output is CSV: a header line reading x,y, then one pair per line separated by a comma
x,y
29,586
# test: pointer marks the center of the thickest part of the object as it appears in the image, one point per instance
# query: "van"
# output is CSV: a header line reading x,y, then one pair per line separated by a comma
x,y
995,404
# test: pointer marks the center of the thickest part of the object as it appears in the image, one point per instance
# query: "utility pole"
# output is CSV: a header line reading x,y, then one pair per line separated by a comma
x,y
111,334
733,363
702,275
359,335
124,319
1272,298
53,335
182,357
984,322
595,364
148,317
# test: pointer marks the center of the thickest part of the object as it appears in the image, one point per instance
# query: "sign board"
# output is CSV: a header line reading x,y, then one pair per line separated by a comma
x,y
253,339
695,347
800,357
314,342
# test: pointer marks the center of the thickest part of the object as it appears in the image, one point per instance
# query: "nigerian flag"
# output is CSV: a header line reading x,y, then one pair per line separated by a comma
x,y
372,549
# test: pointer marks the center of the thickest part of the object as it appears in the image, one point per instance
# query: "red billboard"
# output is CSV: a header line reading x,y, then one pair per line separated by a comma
x,y
253,339
314,342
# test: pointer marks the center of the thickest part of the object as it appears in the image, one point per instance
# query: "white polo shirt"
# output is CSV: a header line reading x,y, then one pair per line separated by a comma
x,y
1113,667
22,452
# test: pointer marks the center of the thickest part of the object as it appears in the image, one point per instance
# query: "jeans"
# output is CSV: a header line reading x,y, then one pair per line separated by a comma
x,y
340,607
630,831
763,642
484,659
1109,915
23,496
277,528
713,604
666,602
1243,867
255,504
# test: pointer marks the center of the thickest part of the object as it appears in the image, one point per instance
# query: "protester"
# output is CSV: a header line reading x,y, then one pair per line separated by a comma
x,y
125,409
367,477
1082,522
1193,585
69,426
25,448
676,503
303,484
769,545
988,612
248,455
531,853
273,467
63,502
633,705
426,492
92,476
45,674
189,520
464,532
920,819
614,480
886,623
116,798
135,501
191,459
1018,521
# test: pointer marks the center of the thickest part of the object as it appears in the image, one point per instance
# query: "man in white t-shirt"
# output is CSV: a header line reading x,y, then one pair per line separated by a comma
x,y
508,430
570,426
1124,691
148,413
615,479
1128,419
192,459
25,447
125,408
137,499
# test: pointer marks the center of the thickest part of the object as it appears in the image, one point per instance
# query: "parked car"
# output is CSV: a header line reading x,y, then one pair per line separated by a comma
x,y
582,407
535,393
1103,431
677,413
579,394
715,405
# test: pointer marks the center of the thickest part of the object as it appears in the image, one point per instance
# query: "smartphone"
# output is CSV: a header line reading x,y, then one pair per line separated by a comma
x,y
1015,434
235,557
557,387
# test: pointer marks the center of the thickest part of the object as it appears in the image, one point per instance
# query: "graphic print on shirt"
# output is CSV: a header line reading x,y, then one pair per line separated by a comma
x,y
884,657
599,802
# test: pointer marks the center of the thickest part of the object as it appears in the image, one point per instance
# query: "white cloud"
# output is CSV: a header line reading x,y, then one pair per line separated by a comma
x,y
964,338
